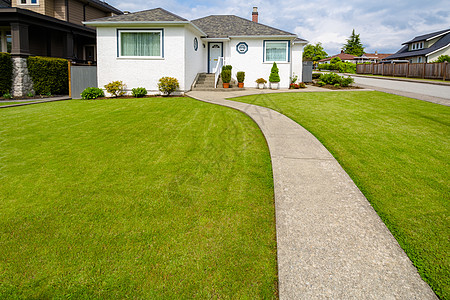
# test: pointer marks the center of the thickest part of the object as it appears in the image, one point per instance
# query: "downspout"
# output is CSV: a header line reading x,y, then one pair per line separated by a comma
x,y
66,3
84,12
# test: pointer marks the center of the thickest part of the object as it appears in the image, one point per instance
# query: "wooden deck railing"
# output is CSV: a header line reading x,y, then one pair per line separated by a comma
x,y
417,70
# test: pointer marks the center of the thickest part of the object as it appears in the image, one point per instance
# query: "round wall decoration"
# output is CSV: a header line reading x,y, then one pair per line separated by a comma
x,y
195,44
242,48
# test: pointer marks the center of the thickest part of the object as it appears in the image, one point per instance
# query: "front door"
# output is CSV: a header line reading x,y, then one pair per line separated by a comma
x,y
215,51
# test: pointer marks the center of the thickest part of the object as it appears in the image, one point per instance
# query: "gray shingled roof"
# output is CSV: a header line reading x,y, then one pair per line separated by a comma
x,y
403,52
151,15
5,3
106,6
222,26
425,36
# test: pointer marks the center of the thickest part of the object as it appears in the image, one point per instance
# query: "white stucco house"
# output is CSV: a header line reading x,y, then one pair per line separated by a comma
x,y
139,48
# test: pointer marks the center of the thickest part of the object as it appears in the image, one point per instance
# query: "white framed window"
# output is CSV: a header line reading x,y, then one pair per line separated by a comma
x,y
140,43
417,46
276,51
28,2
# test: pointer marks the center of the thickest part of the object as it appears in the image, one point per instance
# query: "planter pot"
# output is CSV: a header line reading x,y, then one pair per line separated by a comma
x,y
240,84
274,85
226,85
260,86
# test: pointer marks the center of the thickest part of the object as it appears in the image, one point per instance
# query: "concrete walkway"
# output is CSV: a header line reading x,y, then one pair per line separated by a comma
x,y
331,243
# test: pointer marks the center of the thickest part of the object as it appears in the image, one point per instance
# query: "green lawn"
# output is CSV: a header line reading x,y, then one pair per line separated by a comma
x,y
145,198
397,150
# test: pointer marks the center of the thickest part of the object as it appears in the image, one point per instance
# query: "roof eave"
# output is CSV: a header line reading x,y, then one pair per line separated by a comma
x,y
263,36
433,37
133,23
428,54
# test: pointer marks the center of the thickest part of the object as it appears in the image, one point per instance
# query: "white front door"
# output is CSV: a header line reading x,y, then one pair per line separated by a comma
x,y
215,51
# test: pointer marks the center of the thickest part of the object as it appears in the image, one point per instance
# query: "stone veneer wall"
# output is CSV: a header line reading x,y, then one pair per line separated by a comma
x,y
22,83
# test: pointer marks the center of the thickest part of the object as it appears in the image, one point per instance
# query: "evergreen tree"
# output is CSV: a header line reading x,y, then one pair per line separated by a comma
x,y
314,52
274,77
354,45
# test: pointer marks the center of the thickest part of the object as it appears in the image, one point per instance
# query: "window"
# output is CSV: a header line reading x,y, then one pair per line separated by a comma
x,y
29,2
417,46
140,43
276,51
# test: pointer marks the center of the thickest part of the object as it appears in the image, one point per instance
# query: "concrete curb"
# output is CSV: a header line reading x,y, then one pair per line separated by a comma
x,y
330,241
36,102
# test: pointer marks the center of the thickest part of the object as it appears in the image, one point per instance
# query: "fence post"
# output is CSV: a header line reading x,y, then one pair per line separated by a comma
x,y
445,70
70,79
424,66
372,67
407,70
382,69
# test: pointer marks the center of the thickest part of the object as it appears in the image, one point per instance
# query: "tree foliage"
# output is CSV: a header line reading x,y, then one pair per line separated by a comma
x,y
314,52
353,45
443,58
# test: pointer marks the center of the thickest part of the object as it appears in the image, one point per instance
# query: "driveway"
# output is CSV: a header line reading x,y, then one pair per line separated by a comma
x,y
423,91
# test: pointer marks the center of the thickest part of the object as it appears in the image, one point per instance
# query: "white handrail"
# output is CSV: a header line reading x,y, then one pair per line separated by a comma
x,y
217,70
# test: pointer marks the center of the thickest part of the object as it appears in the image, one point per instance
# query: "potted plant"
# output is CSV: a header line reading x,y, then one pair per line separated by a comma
x,y
240,76
226,78
274,78
261,82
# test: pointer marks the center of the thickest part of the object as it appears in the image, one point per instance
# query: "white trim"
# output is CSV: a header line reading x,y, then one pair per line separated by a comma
x,y
264,36
272,61
215,39
438,50
119,41
433,37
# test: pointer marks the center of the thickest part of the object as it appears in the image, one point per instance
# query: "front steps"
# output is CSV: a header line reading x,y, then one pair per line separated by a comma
x,y
205,82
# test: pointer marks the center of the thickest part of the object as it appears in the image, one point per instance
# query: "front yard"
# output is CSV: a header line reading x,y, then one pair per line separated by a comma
x,y
135,198
397,151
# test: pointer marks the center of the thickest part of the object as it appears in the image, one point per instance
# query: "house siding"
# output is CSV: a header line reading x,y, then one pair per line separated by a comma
x,y
195,60
36,8
141,72
75,12
59,11
252,62
434,56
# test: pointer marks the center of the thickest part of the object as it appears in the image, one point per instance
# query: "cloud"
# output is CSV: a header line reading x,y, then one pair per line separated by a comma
x,y
383,25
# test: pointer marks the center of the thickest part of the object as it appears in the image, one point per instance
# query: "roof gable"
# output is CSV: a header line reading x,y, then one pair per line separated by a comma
x,y
151,15
223,26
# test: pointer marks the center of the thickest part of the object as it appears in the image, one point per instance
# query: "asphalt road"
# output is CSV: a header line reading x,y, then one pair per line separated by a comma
x,y
423,91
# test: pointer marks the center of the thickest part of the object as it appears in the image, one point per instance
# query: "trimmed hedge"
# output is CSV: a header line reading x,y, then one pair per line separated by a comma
x,y
50,75
6,68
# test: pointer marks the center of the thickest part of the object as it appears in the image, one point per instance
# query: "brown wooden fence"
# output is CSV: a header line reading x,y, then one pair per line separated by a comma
x,y
418,70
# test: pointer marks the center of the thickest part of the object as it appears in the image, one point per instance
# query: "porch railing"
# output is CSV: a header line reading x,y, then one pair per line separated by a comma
x,y
217,70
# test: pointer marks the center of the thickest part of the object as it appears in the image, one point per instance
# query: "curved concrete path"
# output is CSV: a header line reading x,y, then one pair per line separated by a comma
x,y
331,243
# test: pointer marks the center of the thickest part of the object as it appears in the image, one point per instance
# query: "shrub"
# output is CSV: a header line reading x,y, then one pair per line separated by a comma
x,y
49,74
335,60
139,92
226,75
115,88
443,58
240,76
343,67
302,85
30,94
7,95
168,85
316,75
92,93
331,78
227,67
274,77
346,81
321,83
261,80
5,73
337,85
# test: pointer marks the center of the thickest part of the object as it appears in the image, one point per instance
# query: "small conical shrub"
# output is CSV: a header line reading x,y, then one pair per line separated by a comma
x,y
274,77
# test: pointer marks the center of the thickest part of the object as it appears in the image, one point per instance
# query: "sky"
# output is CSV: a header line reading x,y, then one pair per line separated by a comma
x,y
383,25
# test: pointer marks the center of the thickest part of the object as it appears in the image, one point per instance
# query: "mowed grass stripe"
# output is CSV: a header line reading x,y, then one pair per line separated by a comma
x,y
145,198
397,151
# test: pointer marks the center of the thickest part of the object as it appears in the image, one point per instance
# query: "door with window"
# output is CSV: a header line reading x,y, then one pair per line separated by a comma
x,y
214,52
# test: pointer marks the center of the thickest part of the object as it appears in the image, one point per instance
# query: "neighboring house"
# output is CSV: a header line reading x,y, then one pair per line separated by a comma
x,y
139,48
51,28
343,56
371,57
424,48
